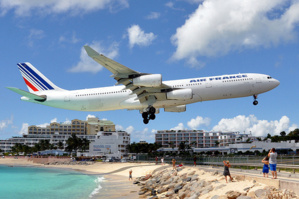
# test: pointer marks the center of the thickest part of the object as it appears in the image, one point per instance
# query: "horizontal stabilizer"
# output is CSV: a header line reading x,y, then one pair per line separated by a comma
x,y
32,96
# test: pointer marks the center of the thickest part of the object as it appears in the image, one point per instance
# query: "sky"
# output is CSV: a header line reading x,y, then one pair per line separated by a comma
x,y
177,38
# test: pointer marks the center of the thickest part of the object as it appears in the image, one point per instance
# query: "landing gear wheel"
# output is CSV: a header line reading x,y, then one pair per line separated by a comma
x,y
152,116
145,121
152,110
255,102
144,115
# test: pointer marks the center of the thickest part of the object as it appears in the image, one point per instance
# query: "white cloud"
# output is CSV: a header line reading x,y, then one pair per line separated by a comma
x,y
180,126
139,37
69,39
24,129
74,7
35,34
198,121
87,64
218,27
119,127
257,127
90,116
5,123
130,129
153,15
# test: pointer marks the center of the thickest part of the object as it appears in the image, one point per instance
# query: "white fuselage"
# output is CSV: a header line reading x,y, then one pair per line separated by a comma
x,y
117,97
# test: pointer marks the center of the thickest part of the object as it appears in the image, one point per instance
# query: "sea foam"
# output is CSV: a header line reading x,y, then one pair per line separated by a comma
x,y
98,188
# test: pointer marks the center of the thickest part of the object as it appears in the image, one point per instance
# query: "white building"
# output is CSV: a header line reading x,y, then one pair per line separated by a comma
x,y
195,138
110,143
264,145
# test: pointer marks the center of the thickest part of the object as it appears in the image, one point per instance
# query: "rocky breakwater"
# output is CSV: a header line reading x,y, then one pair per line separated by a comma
x,y
192,183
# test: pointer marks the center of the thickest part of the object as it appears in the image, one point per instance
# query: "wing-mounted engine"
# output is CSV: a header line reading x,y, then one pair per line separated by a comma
x,y
151,80
181,108
180,94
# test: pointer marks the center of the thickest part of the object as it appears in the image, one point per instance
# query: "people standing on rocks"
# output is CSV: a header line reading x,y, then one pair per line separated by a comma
x,y
266,166
162,161
130,174
173,164
226,170
272,162
194,161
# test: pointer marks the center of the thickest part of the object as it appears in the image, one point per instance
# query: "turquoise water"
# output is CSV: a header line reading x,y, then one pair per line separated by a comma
x,y
41,183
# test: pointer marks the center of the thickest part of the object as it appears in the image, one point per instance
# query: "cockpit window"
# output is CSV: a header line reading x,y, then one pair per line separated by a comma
x,y
269,77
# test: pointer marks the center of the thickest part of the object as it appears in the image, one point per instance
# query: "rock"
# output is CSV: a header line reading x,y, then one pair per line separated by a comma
x,y
177,188
232,194
215,197
240,178
220,186
261,193
182,195
194,177
136,182
169,193
192,197
215,173
188,179
142,192
191,173
247,189
161,190
251,194
244,197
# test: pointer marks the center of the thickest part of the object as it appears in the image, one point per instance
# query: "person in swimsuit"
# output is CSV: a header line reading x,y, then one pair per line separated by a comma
x,y
226,170
266,166
130,174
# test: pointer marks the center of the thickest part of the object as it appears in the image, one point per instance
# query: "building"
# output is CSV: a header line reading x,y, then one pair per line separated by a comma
x,y
101,132
80,127
194,138
112,143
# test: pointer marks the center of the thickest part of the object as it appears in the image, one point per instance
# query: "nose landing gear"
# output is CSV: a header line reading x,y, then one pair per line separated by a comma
x,y
149,114
255,102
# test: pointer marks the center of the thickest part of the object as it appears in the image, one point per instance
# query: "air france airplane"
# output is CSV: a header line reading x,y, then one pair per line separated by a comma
x,y
140,91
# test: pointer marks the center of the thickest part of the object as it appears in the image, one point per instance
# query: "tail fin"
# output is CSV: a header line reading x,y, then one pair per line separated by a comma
x,y
34,79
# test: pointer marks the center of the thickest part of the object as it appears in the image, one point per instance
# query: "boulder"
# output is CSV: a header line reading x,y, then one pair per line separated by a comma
x,y
261,193
191,173
169,193
232,194
220,186
244,197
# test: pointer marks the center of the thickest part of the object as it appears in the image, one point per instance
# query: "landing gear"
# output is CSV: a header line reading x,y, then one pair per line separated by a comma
x,y
255,102
149,114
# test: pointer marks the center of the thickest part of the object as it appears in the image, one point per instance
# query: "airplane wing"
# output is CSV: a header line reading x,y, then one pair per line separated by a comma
x,y
32,96
139,83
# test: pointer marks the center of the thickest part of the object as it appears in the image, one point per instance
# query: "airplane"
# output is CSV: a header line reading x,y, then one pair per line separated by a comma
x,y
145,92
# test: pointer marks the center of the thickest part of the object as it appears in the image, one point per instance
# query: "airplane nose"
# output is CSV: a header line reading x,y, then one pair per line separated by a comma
x,y
276,83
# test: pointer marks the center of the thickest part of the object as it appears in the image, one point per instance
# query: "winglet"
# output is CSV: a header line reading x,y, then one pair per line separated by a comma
x,y
91,52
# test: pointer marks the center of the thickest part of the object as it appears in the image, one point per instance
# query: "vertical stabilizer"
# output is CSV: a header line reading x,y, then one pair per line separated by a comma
x,y
34,79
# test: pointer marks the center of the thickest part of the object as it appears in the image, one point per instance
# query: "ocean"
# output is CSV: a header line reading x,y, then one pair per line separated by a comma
x,y
47,183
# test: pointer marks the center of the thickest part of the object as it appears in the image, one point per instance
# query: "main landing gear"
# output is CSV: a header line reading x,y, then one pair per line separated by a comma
x,y
255,102
149,114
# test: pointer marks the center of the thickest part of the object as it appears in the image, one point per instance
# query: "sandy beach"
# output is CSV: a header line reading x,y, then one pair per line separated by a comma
x,y
116,177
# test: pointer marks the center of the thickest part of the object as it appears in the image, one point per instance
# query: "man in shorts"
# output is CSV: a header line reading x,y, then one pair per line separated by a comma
x,y
272,162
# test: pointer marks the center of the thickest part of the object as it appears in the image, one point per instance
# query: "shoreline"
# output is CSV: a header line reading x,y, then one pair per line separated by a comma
x,y
116,175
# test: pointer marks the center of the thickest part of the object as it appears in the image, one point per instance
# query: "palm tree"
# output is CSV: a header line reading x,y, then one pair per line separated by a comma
x,y
60,145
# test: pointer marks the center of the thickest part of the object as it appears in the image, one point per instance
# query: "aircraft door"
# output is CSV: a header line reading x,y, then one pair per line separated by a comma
x,y
67,98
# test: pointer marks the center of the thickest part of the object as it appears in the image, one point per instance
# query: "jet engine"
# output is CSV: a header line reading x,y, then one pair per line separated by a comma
x,y
181,108
180,94
153,80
